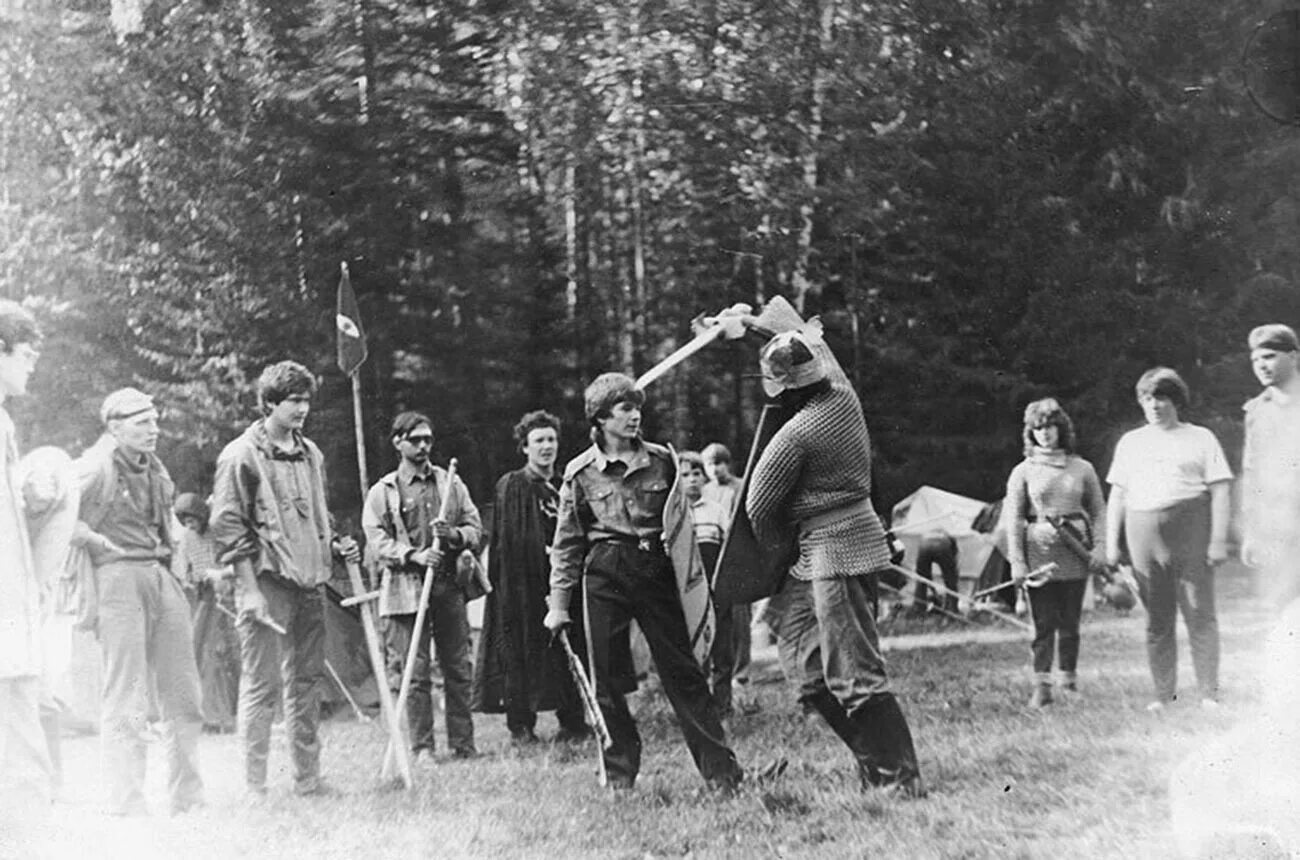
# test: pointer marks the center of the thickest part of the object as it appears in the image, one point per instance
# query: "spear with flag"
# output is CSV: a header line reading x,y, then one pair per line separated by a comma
x,y
352,354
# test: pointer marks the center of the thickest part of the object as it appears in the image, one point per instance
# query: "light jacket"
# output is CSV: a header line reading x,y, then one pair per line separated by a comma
x,y
389,545
249,509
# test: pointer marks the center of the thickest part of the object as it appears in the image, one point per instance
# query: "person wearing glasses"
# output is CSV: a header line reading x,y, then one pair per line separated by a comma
x,y
405,536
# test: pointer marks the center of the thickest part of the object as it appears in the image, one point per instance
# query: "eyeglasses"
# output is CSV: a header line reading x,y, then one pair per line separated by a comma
x,y
417,441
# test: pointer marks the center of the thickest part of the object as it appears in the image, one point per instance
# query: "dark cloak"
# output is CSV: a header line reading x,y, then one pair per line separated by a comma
x,y
516,666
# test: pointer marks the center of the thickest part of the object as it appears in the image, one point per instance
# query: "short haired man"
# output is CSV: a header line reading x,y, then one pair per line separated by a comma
x,y
405,535
816,472
144,619
26,772
1270,463
271,523
609,541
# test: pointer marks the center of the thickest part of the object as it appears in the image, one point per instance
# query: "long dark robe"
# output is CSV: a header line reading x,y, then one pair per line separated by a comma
x,y
516,667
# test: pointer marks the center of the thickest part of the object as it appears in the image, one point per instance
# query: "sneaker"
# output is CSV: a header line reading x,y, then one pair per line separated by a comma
x,y
524,739
1041,697
465,753
1155,707
1210,704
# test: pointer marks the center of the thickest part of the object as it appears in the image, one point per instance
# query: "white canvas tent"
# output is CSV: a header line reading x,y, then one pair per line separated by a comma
x,y
930,509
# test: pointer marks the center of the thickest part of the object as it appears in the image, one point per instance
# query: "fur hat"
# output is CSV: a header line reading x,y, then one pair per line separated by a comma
x,y
1274,336
789,361
125,403
608,389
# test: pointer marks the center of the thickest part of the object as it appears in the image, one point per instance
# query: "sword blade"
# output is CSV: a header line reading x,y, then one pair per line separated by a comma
x,y
694,345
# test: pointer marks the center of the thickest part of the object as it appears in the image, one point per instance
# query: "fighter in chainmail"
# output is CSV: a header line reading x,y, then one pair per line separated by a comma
x,y
814,477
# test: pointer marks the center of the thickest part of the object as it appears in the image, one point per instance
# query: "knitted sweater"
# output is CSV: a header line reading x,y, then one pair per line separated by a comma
x,y
1043,486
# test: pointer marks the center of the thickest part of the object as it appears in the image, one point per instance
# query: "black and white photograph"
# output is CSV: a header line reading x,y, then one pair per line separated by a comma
x,y
647,429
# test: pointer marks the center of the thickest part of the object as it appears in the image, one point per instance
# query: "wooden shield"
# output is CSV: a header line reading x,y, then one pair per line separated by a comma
x,y
692,580
748,569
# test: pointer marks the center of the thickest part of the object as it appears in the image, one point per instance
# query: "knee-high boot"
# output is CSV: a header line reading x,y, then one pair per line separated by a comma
x,y
883,745
825,703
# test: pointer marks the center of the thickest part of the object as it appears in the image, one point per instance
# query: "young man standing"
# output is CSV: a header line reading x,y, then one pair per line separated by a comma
x,y
26,773
609,541
406,535
1270,464
271,523
144,619
815,473
519,671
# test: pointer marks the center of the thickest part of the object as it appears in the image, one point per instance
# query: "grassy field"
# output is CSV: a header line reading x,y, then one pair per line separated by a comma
x,y
1086,777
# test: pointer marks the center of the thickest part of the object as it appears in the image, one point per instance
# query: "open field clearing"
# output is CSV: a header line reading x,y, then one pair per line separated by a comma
x,y
1086,777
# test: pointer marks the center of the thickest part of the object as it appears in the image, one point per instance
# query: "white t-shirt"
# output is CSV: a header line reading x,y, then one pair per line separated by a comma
x,y
1159,468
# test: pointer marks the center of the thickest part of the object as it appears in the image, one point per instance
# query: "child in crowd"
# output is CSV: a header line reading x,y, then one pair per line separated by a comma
x,y
711,519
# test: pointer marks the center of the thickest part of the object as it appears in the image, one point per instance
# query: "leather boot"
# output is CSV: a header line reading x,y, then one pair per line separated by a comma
x,y
882,743
825,703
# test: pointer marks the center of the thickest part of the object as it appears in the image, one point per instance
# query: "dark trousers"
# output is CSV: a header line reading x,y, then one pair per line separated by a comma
x,y
1057,607
446,628
1169,548
723,657
927,558
624,584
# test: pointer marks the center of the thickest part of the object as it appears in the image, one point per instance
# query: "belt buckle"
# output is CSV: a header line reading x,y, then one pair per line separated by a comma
x,y
646,544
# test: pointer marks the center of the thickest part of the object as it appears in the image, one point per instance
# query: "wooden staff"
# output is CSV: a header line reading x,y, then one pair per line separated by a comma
x,y
943,589
386,705
421,611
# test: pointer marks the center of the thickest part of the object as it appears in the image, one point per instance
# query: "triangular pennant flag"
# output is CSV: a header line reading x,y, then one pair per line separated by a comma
x,y
352,338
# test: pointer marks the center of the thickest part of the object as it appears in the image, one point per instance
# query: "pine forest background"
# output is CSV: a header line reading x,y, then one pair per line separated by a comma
x,y
987,201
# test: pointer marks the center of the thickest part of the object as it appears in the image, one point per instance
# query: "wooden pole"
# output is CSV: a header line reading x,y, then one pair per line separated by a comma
x,y
373,645
943,589
359,432
386,704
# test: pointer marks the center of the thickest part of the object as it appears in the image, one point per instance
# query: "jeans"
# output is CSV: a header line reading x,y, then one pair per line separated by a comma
x,y
293,664
624,583
1057,607
145,633
446,635
1169,549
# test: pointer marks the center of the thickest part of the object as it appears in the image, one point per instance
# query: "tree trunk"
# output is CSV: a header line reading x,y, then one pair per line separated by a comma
x,y
799,279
